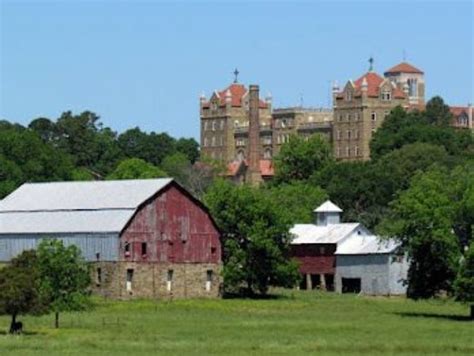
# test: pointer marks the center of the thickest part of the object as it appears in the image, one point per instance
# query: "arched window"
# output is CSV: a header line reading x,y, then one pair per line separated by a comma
x,y
267,154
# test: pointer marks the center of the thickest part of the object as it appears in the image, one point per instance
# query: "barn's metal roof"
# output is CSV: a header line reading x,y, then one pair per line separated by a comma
x,y
328,207
113,194
315,234
64,207
365,245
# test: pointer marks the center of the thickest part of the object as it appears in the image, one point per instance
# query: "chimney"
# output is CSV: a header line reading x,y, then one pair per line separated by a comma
x,y
254,176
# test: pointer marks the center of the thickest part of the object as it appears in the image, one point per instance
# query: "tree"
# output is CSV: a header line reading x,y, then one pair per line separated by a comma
x,y
256,238
297,199
19,288
189,147
401,128
64,276
422,218
45,128
299,158
464,284
135,168
177,166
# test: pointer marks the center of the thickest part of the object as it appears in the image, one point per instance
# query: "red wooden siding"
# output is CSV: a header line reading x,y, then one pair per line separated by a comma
x,y
315,258
175,228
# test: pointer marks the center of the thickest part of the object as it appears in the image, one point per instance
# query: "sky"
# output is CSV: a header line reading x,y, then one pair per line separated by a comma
x,y
146,63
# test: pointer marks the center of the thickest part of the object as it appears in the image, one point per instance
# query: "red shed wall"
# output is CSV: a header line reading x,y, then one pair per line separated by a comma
x,y
315,258
175,228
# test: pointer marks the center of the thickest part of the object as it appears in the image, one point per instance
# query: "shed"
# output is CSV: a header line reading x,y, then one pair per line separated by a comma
x,y
369,265
145,238
314,245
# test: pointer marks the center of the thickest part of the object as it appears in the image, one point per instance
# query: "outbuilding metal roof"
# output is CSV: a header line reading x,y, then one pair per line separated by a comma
x,y
98,206
315,234
365,245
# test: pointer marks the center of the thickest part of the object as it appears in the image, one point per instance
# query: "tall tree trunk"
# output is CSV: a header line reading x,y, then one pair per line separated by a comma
x,y
12,324
56,320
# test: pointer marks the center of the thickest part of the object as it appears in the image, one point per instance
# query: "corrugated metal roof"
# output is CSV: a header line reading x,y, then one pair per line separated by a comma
x,y
328,207
114,194
63,207
364,245
64,221
312,234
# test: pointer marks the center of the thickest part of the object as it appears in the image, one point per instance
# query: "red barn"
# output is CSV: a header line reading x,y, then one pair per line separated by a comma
x,y
144,238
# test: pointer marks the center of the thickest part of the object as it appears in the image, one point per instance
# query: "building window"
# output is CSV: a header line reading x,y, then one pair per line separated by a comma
x,y
222,124
213,126
169,280
129,280
356,116
348,134
348,152
240,156
338,134
386,95
340,117
240,142
213,141
386,113
373,116
356,151
127,249
208,280
348,95
98,278
412,87
267,154
144,249
348,117
356,134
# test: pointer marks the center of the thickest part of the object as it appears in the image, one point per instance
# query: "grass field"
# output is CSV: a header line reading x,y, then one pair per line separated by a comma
x,y
293,323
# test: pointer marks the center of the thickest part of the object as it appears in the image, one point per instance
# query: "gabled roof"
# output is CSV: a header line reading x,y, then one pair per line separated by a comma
x,y
374,82
266,167
316,234
366,245
328,207
69,207
403,67
237,91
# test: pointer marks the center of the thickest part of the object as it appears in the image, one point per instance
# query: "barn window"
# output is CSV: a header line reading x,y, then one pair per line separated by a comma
x,y
98,279
129,280
208,280
143,249
169,280
127,249
213,250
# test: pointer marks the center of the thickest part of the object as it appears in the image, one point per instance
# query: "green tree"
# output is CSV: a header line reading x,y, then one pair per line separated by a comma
x,y
177,166
45,128
135,168
437,112
464,283
297,200
256,238
64,277
299,158
401,128
422,218
189,147
19,288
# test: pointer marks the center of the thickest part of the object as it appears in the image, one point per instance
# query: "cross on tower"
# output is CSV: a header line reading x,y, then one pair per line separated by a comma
x,y
371,64
236,75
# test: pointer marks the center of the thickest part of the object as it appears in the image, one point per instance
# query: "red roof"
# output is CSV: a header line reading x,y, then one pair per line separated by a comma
x,y
237,92
403,67
458,110
266,167
373,86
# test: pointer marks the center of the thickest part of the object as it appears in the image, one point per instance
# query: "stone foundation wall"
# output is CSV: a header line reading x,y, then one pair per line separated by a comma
x,y
151,280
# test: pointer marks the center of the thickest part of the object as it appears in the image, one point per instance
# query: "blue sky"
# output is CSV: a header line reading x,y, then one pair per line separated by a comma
x,y
146,63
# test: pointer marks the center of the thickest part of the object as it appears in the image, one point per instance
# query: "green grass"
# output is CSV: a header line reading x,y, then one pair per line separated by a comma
x,y
294,323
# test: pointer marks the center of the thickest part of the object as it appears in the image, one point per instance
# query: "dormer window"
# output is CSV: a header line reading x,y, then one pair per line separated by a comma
x,y
348,95
386,95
